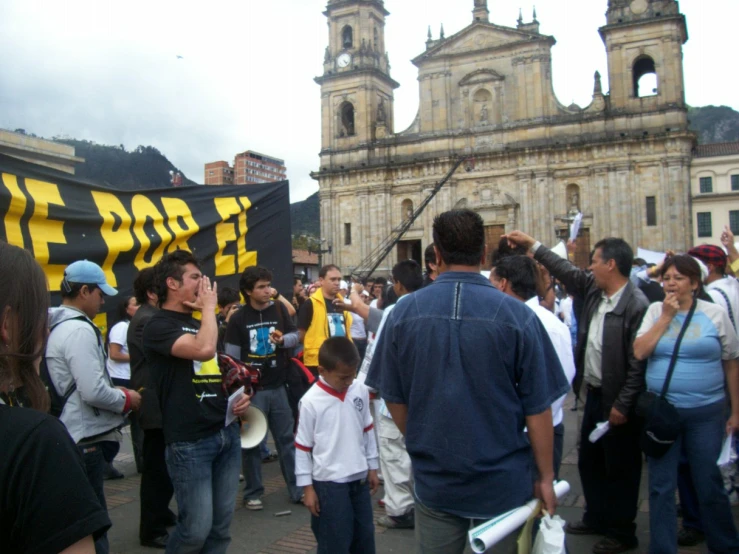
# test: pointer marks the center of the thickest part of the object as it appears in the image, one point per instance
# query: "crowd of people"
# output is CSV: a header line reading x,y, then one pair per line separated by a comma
x,y
446,385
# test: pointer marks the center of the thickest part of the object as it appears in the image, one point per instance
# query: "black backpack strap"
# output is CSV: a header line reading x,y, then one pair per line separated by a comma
x,y
728,306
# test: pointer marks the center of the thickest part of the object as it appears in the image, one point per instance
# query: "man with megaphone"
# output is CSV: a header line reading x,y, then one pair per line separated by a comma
x,y
262,335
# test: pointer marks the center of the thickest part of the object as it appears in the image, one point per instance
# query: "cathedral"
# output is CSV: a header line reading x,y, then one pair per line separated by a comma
x,y
486,93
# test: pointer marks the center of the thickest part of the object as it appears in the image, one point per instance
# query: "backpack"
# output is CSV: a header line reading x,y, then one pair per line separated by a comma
x,y
58,401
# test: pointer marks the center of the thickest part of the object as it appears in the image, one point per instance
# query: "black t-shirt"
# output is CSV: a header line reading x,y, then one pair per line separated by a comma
x,y
46,502
190,393
250,329
149,415
335,315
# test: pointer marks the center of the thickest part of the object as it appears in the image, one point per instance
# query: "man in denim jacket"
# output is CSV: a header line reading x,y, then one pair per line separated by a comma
x,y
463,368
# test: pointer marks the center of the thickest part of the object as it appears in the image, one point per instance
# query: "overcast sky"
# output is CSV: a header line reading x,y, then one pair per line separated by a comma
x,y
108,71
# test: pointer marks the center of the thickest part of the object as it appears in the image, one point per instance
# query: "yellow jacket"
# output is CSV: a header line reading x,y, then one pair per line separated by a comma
x,y
318,330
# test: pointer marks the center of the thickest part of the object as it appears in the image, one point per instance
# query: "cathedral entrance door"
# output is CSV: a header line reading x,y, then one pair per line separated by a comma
x,y
410,250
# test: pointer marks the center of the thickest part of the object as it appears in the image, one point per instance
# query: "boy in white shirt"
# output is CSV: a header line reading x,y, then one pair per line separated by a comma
x,y
336,453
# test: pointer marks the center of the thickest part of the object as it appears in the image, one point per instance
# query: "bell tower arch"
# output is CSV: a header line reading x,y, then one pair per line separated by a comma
x,y
644,41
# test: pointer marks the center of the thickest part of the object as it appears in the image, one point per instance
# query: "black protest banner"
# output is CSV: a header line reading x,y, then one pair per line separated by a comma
x,y
60,219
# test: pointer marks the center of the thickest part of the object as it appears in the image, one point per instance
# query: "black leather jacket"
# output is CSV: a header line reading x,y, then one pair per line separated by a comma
x,y
623,374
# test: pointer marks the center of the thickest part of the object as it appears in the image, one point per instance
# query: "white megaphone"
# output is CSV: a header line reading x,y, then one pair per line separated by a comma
x,y
253,428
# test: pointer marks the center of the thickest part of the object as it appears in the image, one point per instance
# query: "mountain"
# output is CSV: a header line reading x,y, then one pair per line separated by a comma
x,y
143,168
714,124
305,217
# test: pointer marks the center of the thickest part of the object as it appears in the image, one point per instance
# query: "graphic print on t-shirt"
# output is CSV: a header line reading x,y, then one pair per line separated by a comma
x,y
259,342
336,327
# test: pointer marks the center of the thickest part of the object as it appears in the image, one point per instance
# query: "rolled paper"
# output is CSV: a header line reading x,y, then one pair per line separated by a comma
x,y
491,532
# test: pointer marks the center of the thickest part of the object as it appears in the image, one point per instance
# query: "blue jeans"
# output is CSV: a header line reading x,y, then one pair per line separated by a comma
x,y
345,524
205,476
274,404
95,466
701,437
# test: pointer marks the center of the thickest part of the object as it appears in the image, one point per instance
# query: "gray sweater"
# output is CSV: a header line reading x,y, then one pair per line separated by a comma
x,y
74,355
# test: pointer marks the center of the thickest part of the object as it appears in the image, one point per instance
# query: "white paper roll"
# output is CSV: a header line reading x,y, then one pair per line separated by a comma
x,y
493,531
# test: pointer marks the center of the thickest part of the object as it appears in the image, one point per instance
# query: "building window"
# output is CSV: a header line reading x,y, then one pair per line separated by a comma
x,y
347,234
734,221
651,211
704,224
735,182
347,120
706,184
347,37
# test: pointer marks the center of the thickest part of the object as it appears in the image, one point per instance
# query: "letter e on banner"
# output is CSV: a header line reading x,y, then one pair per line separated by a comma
x,y
226,233
45,231
116,239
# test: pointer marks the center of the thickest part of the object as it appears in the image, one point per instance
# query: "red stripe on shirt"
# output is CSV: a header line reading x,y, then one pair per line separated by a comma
x,y
303,448
369,428
333,392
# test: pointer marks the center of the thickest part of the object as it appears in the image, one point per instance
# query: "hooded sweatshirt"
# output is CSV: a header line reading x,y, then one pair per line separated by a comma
x,y
75,355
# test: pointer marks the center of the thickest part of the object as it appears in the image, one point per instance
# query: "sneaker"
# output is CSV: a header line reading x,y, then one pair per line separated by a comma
x,y
241,477
610,545
253,504
406,521
271,458
688,536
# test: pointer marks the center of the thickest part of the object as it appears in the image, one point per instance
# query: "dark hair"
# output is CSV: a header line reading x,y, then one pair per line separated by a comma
x,y
326,268
171,265
337,350
71,290
122,310
380,281
504,250
521,272
388,297
297,280
460,237
429,257
24,295
617,250
249,278
687,266
228,295
143,285
408,274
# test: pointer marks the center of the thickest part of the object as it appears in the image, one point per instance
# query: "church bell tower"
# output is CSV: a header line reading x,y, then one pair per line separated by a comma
x,y
356,88
644,41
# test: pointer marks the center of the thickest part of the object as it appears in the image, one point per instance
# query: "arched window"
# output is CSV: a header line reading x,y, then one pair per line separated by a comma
x,y
376,41
573,199
347,37
645,77
406,209
482,100
347,119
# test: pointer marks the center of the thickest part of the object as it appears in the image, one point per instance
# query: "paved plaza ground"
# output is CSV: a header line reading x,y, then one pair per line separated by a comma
x,y
262,532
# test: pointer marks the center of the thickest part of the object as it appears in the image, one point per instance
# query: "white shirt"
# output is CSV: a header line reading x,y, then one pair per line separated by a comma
x,y
357,329
117,335
594,346
334,441
559,334
730,289
566,307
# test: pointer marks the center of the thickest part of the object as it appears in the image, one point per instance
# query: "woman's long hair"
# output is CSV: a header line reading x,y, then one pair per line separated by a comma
x,y
24,306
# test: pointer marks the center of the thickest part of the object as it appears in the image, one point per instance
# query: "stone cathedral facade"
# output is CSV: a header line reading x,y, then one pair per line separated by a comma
x,y
623,161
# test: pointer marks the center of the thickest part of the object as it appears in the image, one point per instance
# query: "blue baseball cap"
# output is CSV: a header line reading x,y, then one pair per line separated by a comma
x,y
88,273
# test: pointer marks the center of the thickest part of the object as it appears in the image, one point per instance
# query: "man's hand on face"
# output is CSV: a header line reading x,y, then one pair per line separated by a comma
x,y
207,298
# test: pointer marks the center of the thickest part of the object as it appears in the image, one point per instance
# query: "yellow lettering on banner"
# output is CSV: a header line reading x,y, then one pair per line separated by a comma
x,y
16,209
245,258
177,209
226,233
117,239
45,231
143,210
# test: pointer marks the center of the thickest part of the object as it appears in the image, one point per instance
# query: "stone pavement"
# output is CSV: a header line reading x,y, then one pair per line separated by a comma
x,y
261,532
